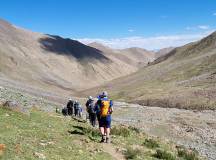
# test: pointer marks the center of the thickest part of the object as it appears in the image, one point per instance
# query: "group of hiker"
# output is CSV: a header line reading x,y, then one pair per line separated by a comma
x,y
99,109
73,108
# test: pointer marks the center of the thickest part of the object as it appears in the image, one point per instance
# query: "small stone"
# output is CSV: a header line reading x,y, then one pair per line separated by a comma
x,y
43,144
39,155
189,129
80,151
50,143
7,115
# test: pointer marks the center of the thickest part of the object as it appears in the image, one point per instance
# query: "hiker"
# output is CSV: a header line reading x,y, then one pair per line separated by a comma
x,y
64,111
106,109
90,108
97,109
77,109
70,106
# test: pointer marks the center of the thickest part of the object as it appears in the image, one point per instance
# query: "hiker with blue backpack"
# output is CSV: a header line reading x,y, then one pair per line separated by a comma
x,y
105,107
90,108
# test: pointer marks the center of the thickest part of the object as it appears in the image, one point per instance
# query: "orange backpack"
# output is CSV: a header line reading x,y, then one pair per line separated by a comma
x,y
105,108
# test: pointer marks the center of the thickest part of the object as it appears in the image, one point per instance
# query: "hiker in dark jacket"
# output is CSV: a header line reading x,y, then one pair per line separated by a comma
x,y
70,107
97,109
90,108
77,109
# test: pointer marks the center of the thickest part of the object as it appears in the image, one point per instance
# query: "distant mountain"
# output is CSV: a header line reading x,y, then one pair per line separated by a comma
x,y
185,77
136,57
54,63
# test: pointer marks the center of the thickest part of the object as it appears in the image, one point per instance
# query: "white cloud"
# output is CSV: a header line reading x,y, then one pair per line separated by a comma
x,y
131,30
203,27
150,43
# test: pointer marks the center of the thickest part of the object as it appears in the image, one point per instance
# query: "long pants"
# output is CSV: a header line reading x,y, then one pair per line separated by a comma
x,y
76,112
70,111
92,118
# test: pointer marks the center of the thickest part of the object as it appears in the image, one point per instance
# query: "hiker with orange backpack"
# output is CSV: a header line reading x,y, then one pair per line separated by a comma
x,y
106,109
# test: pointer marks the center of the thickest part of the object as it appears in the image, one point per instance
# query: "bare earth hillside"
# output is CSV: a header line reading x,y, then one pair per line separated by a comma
x,y
137,57
53,63
183,78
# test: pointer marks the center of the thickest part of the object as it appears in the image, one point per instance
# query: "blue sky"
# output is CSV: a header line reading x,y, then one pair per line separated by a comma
x,y
116,23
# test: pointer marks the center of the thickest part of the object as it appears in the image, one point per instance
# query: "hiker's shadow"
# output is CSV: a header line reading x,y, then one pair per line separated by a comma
x,y
79,130
76,132
79,120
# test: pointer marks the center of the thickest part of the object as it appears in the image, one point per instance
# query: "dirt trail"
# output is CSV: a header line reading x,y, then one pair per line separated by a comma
x,y
109,148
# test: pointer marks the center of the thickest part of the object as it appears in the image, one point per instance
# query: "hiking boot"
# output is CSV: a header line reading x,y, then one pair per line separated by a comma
x,y
103,139
108,140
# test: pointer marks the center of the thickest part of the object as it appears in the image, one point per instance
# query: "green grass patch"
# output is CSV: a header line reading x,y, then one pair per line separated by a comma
x,y
132,153
121,131
151,143
47,134
58,137
187,155
162,154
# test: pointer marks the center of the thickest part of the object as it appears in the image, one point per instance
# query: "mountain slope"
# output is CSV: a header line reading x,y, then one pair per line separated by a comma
x,y
183,78
136,57
52,62
163,51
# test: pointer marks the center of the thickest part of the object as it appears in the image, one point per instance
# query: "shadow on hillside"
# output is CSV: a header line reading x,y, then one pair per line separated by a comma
x,y
76,132
79,120
71,47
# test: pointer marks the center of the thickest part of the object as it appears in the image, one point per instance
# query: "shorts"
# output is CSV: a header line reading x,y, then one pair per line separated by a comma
x,y
105,122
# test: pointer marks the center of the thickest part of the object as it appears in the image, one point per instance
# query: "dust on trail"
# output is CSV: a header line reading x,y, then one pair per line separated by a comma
x,y
110,149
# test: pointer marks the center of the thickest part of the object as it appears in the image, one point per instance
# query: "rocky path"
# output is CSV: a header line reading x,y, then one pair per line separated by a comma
x,y
192,129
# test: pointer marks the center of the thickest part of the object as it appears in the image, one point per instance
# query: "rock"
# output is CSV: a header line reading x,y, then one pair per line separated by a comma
x,y
13,105
39,155
2,101
50,143
43,144
189,129
80,151
7,115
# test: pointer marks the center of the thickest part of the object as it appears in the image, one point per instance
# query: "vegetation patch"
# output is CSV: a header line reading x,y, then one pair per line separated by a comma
x,y
151,143
187,154
132,153
121,131
162,154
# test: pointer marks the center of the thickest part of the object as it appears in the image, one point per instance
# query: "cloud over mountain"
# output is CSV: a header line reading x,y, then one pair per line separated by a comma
x,y
150,43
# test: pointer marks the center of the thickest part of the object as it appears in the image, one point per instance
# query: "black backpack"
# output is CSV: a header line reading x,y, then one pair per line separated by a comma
x,y
65,111
91,108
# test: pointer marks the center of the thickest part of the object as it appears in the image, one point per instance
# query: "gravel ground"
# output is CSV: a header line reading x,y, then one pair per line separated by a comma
x,y
192,129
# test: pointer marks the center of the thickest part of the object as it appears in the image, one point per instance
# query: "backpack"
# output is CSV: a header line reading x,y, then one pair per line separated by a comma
x,y
90,107
65,111
105,108
76,106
